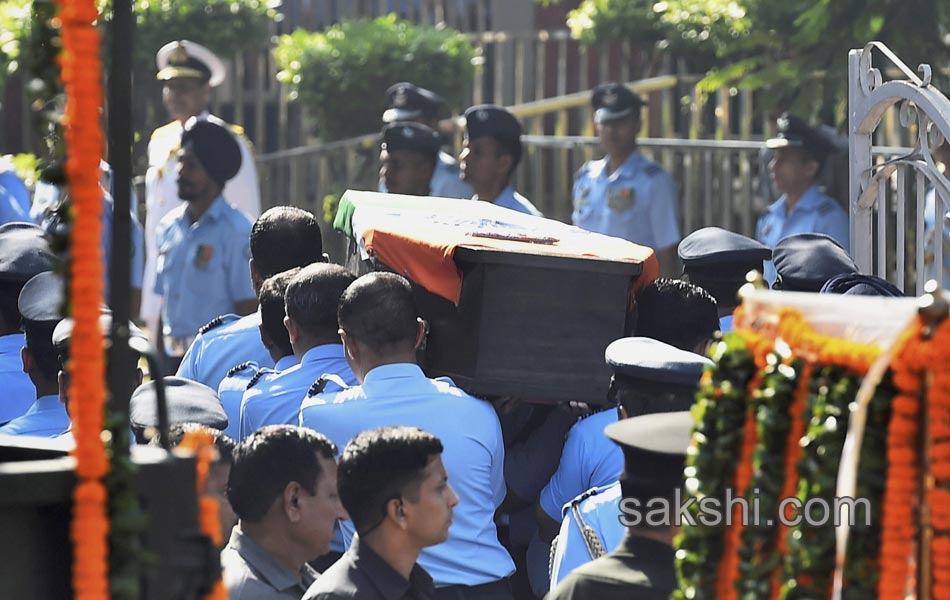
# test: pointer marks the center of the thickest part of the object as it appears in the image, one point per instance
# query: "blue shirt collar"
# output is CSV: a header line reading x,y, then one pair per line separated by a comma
x,y
386,373
323,352
216,211
45,404
11,343
810,201
628,167
285,362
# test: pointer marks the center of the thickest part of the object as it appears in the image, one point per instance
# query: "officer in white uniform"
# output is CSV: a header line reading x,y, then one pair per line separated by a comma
x,y
188,71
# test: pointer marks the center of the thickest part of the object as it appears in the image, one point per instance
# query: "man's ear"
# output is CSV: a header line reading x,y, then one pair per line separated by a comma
x,y
422,330
291,502
812,167
26,357
256,280
394,511
292,330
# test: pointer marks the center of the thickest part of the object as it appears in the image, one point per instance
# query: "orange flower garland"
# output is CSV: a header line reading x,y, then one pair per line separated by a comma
x,y
202,444
81,74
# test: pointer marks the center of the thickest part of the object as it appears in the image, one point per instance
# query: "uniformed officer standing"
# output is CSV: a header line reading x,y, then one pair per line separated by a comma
x,y
24,252
188,71
40,303
624,194
491,150
649,377
203,244
654,449
409,155
409,103
800,154
718,261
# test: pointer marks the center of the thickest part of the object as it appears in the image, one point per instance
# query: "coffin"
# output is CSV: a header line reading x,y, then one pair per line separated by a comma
x,y
516,305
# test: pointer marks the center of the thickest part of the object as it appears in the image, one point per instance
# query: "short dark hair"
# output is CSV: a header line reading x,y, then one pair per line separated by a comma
x,y
222,442
379,311
285,237
9,294
313,296
39,340
268,460
676,312
271,298
379,465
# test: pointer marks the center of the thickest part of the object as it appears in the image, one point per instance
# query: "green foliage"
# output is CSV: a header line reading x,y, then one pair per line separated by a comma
x,y
795,50
14,29
26,166
340,74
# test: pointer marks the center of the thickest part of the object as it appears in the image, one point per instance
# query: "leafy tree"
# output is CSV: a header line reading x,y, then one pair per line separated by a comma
x,y
341,73
795,51
14,28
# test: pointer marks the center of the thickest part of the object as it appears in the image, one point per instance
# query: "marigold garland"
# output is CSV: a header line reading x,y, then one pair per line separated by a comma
x,y
81,75
201,442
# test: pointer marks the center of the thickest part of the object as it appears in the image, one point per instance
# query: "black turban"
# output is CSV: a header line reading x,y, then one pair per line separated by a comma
x,y
214,147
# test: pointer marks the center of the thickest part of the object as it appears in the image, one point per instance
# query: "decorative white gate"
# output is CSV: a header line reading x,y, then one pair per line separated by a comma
x,y
892,235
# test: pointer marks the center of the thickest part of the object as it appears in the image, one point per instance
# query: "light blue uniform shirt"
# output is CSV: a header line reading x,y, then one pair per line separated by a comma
x,y
637,202
276,397
814,213
214,352
474,458
725,324
600,509
202,267
45,197
232,387
589,459
18,391
47,417
15,199
446,180
930,241
509,198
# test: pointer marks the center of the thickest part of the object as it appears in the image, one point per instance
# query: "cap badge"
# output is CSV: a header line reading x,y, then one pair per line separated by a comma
x,y
783,123
179,55
407,132
401,97
610,98
482,115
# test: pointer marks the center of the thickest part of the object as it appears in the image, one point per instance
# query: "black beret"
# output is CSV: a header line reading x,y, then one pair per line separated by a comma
x,y
654,449
214,147
64,330
856,284
646,359
805,261
490,120
721,252
612,101
411,136
408,102
24,252
794,132
188,402
41,299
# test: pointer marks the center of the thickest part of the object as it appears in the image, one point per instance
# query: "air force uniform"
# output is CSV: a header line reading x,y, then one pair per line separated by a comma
x,y
276,398
39,304
14,196
638,201
222,343
203,266
186,59
590,528
814,212
232,388
24,252
487,120
408,102
474,458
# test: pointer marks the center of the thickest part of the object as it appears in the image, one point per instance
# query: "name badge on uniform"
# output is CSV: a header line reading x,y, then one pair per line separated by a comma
x,y
621,199
203,256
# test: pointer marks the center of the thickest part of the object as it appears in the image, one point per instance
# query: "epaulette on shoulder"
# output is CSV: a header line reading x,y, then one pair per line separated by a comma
x,y
215,322
591,492
653,169
241,133
238,368
826,207
320,384
257,377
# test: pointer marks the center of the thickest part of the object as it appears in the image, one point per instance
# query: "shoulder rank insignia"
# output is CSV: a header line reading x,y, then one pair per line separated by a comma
x,y
320,384
238,368
216,322
621,199
257,377
653,169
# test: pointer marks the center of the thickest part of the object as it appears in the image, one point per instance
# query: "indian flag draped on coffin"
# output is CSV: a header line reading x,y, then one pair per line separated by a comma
x,y
517,305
